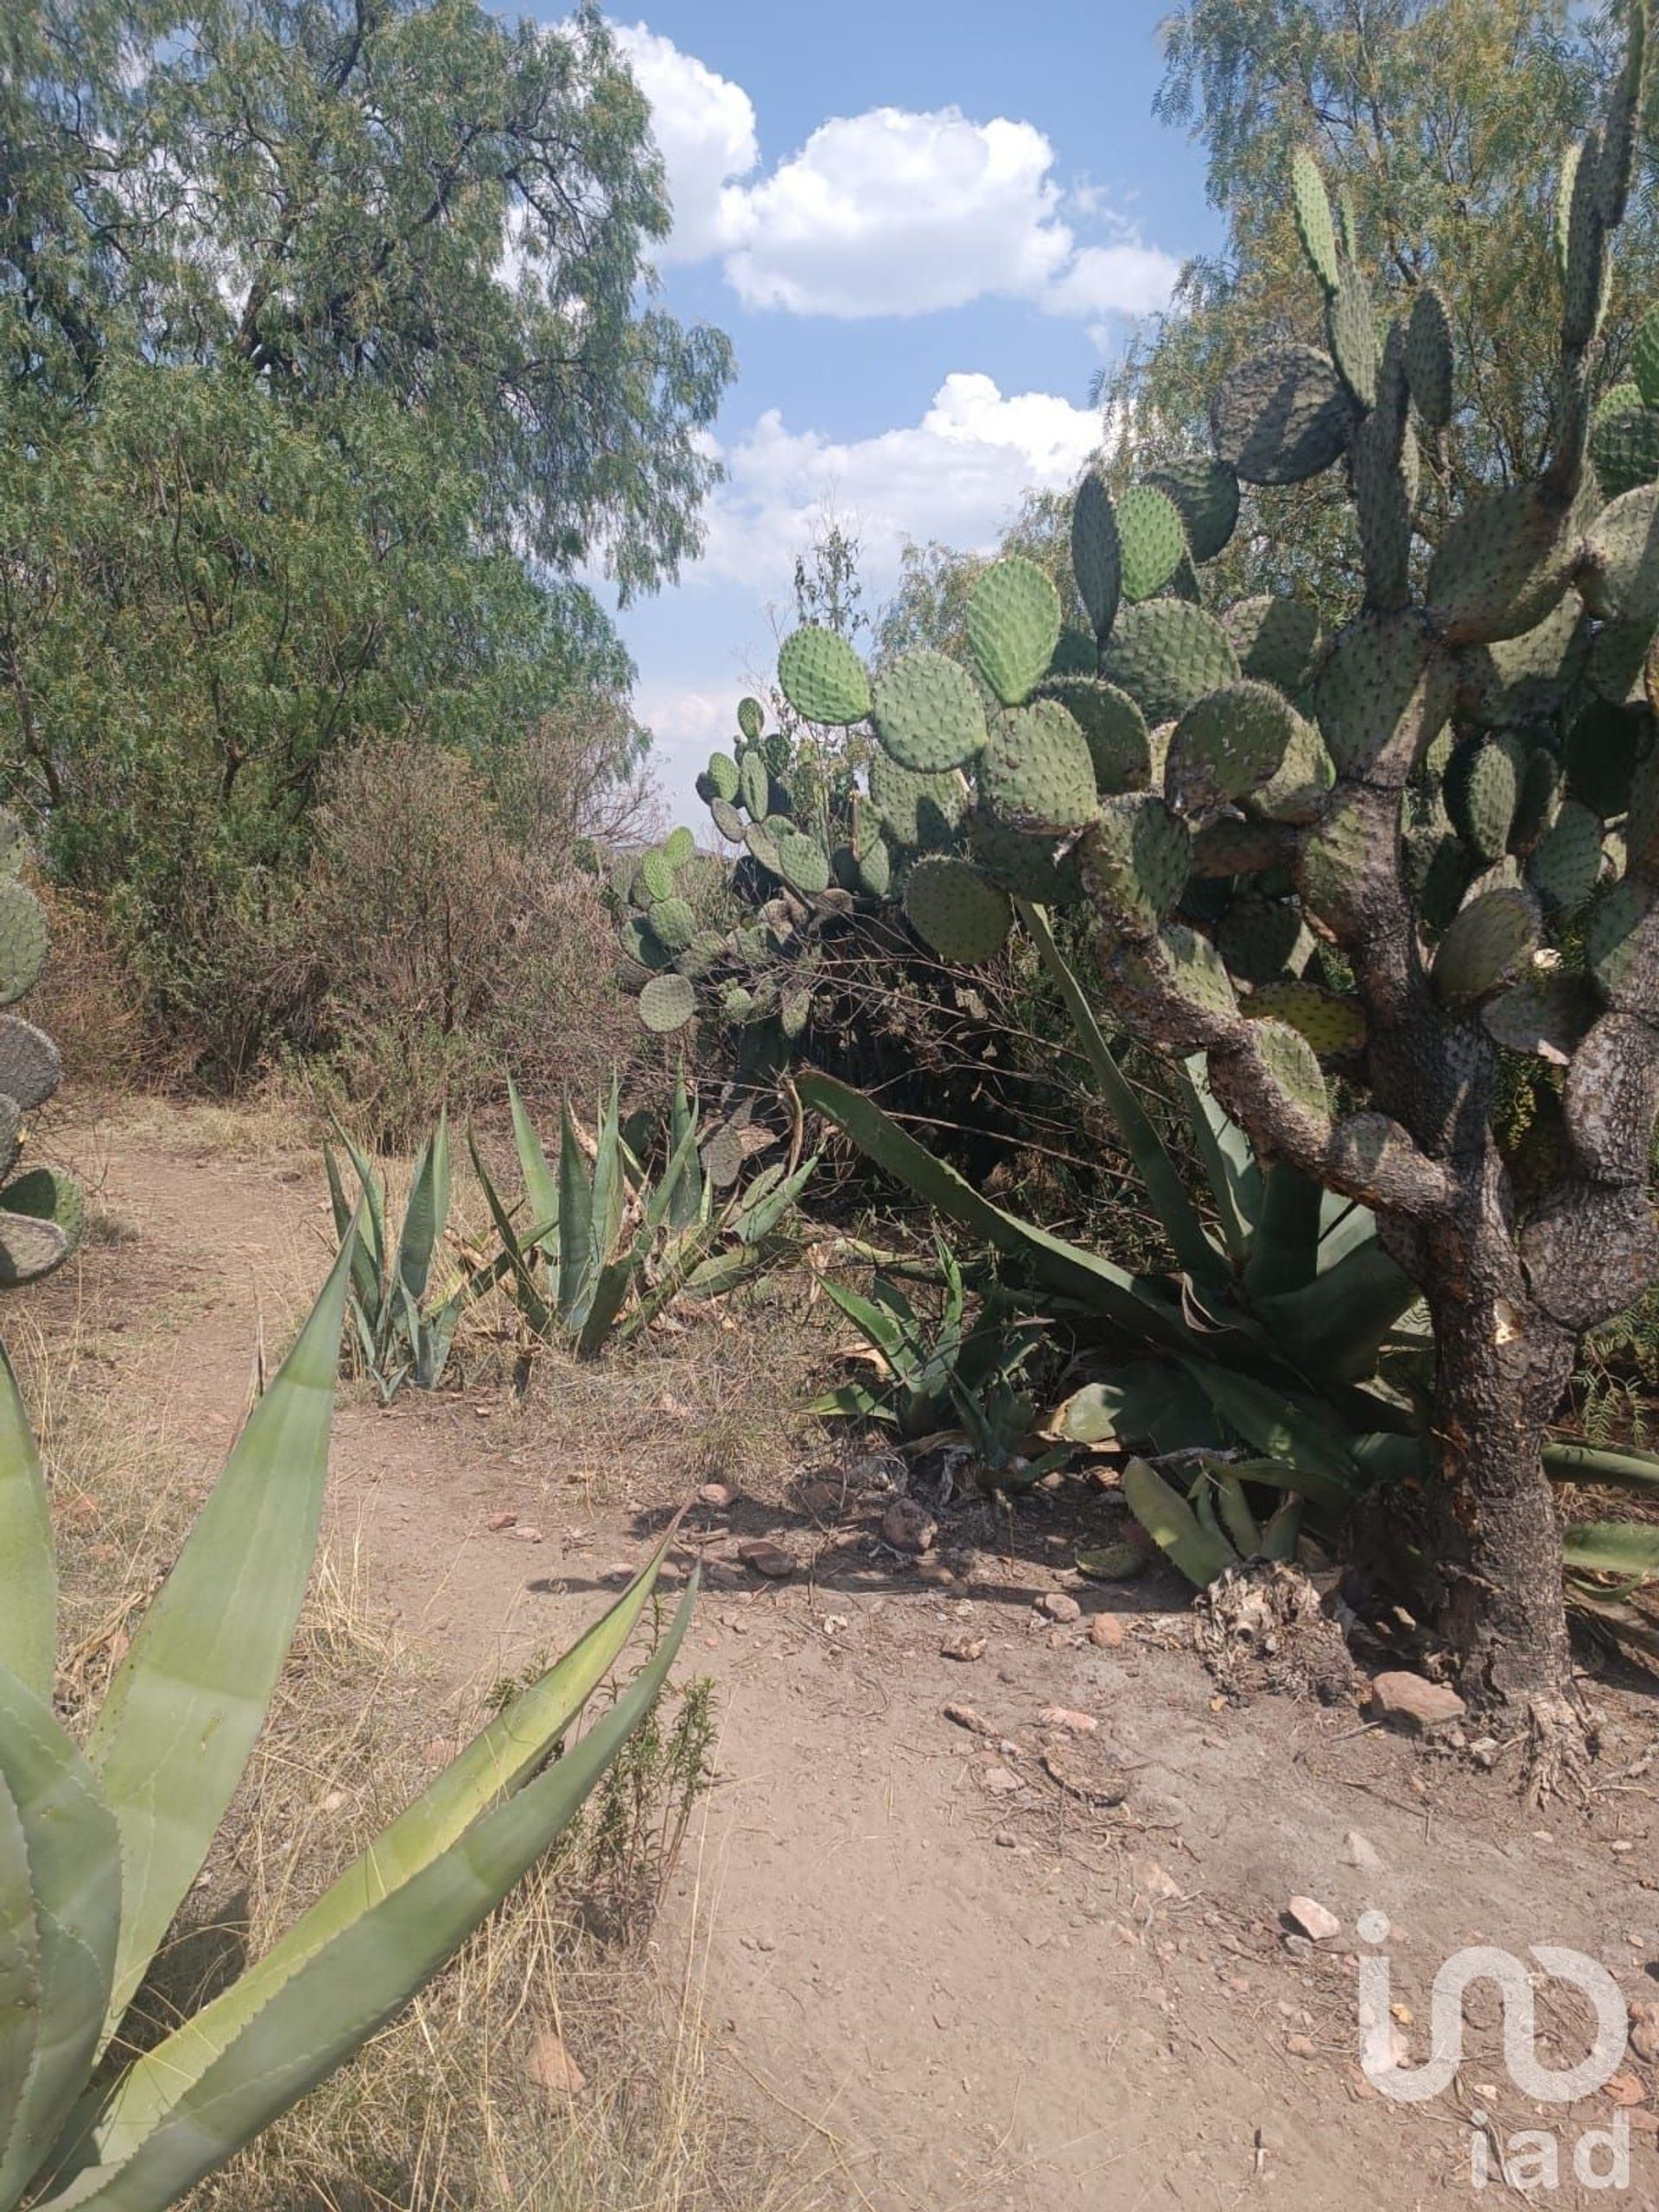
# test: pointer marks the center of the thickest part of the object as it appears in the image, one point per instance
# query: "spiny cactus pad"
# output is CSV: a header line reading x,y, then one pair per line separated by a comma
x,y
751,720
674,923
1026,867
1013,622
29,1249
1260,938
1351,322
641,943
762,846
1644,358
1428,358
1151,539
1614,940
1165,654
1482,789
1229,742
952,907
1138,857
1544,1016
928,712
1205,493
802,863
1036,770
1199,971
1275,639
29,1065
822,679
919,810
1297,790
1528,677
727,820
1383,673
1624,547
723,775
1330,1023
755,785
679,847
1502,563
1625,447
1290,1061
1114,729
1565,865
1485,946
1283,415
1097,561
1311,205
667,1003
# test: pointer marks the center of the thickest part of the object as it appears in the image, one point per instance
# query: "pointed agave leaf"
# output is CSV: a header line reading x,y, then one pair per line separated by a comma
x,y
1624,1548
575,1218
525,1289
1335,1325
759,1211
1230,1165
75,1884
617,1275
1285,1250
1201,1555
541,1185
187,1701
498,1762
366,1269
28,1578
425,1214
1194,1249
365,1975
1236,1517
685,1199
19,1967
1266,1419
1279,1537
1621,1467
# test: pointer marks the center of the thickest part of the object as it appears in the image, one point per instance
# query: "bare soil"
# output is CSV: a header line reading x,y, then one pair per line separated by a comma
x,y
972,1961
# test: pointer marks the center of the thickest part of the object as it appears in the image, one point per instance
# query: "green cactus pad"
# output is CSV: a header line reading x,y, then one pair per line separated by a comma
x,y
1616,668
1566,864
1644,358
1283,415
802,863
1614,947
1036,771
1262,939
1545,1017
1526,678
1113,726
1229,742
1486,945
1428,358
1297,790
755,785
1481,790
1276,639
1198,969
1025,865
707,949
751,720
29,1064
1350,325
1540,793
1382,674
724,775
928,712
679,847
822,679
920,811
1290,1061
674,923
1205,493
1013,622
794,1012
1315,227
1165,654
667,1003
1502,563
1138,855
1602,746
1151,539
873,868
951,906
29,1249
1624,448
48,1194
1097,560
1076,653
1623,545
657,876
14,844
1330,1023
1333,866
641,943
763,846
727,820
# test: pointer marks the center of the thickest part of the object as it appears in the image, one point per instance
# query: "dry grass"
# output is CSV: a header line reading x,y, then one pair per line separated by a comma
x,y
444,2110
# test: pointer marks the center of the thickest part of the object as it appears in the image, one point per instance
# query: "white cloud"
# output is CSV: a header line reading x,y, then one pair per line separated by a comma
x,y
956,475
888,212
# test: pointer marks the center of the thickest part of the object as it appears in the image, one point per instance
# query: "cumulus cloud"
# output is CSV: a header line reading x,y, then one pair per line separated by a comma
x,y
888,213
956,475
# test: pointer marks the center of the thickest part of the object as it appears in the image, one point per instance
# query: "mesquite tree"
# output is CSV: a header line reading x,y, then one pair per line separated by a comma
x,y
1378,877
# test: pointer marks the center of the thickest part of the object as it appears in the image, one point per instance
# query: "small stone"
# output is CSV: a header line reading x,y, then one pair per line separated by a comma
x,y
524,1534
964,1716
1317,1922
553,2070
766,1558
1057,1640
909,1527
822,1499
1625,2089
1300,1948
1301,2047
1001,1781
1058,1606
1645,2041
935,1573
964,1648
497,1521
1107,1631
621,1572
1359,1851
718,1494
334,1800
1621,1845
1413,1703
1060,1716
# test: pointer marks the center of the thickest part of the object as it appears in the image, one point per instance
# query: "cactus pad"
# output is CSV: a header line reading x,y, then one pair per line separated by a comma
x,y
1644,359
1383,675
1260,938
1482,789
1528,677
667,1003
1311,205
1297,790
1151,540
1333,866
1097,560
873,868
1504,562
1565,863
29,1249
1428,358
1165,654
1330,1023
1228,742
1545,1016
641,943
822,679
751,720
1290,1062
673,922
706,951
13,845
919,810
1283,415
1138,857
723,775
1036,770
1614,940
1197,969
1275,639
755,785
1205,493
1625,447
1113,726
1623,545
1013,623
29,1064
951,906
1025,865
802,862
1351,324
763,846
928,712
1486,945
657,876
727,820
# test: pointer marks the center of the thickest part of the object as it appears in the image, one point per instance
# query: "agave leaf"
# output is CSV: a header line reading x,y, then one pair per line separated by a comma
x,y
760,1213
1335,1325
74,1889
1279,1537
890,1339
1623,1548
526,1289
1621,1467
852,1401
186,1702
28,1577
1264,1417
1195,1250
20,1965
425,1214
618,1275
363,1975
1065,1268
1236,1515
496,1763
1229,1164
1285,1250
372,1228
1173,1525
1144,1403
575,1220
685,1199
541,1185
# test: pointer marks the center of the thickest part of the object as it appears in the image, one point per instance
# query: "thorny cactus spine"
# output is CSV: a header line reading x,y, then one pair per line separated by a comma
x,y
1443,818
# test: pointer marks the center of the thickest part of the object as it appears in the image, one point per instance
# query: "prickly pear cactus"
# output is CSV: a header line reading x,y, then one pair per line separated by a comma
x,y
42,1212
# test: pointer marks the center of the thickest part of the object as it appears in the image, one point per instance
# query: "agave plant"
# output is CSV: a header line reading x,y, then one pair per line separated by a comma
x,y
612,1248
100,1843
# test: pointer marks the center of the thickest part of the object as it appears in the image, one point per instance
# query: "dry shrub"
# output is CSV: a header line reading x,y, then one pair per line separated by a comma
x,y
429,952
89,1002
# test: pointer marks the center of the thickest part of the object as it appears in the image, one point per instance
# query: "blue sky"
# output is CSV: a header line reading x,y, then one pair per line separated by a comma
x,y
924,226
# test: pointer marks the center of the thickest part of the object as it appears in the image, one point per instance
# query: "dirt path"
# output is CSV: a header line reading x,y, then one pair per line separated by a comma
x,y
946,1974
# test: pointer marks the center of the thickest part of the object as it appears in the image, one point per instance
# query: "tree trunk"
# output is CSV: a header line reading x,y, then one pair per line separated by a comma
x,y
1501,1366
